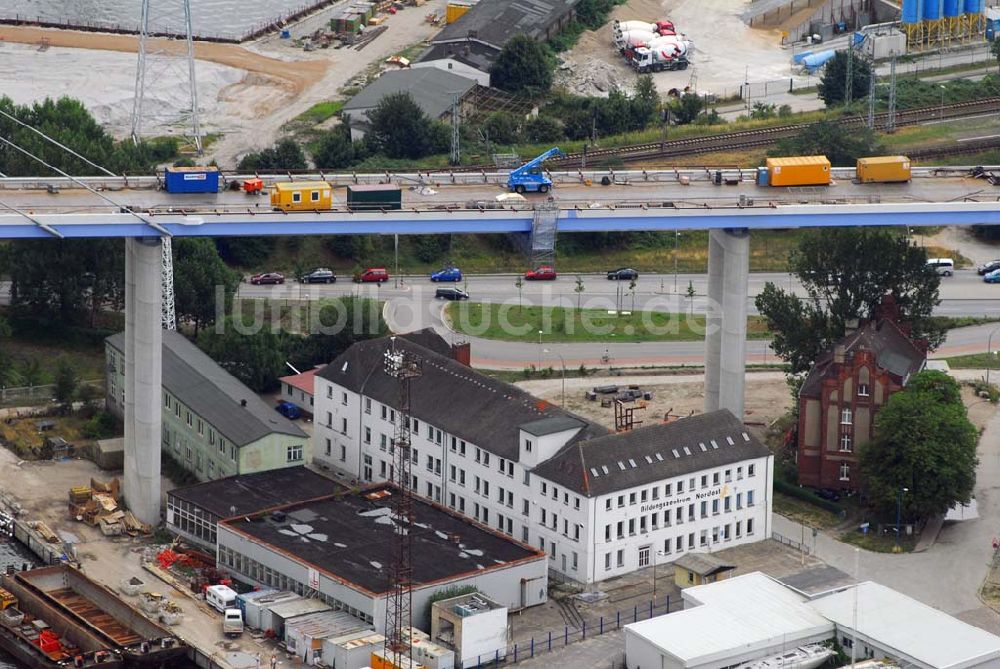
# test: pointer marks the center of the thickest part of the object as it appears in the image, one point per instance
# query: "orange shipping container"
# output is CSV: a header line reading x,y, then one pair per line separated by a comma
x,y
454,11
798,171
883,169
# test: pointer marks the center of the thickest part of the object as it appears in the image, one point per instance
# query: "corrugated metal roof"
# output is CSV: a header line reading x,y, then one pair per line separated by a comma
x,y
798,160
702,564
926,636
326,624
432,89
213,393
297,607
736,617
495,22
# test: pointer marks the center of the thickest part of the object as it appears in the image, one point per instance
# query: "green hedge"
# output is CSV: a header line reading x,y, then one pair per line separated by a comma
x,y
807,495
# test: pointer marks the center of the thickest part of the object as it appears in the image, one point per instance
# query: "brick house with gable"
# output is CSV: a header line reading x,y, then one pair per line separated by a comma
x,y
845,389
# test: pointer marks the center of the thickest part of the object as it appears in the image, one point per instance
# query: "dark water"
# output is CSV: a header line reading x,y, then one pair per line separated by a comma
x,y
13,553
228,19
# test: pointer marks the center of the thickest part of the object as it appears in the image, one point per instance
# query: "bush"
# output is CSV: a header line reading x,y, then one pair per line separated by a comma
x,y
102,426
807,495
542,129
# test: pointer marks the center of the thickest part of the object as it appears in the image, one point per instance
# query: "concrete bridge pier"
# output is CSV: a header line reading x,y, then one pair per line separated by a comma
x,y
726,319
143,372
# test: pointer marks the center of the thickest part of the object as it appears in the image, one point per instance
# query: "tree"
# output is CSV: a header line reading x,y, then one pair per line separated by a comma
x,y
762,110
285,155
339,323
200,277
645,102
335,150
401,129
578,289
66,384
995,49
686,109
543,129
842,145
833,83
691,294
519,284
257,359
245,251
7,372
523,66
846,273
925,442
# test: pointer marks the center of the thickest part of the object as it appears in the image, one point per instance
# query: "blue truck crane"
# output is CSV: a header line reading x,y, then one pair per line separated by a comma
x,y
530,177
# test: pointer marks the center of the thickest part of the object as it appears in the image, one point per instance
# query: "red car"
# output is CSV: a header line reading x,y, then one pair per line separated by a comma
x,y
543,273
372,275
267,277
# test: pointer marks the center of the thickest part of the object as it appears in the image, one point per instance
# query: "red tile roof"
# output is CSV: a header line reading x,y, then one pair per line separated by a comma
x,y
303,381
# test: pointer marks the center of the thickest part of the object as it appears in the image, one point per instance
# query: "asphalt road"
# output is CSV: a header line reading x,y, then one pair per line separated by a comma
x,y
411,305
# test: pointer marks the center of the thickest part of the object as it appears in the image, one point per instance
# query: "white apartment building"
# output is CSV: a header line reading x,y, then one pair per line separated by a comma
x,y
599,504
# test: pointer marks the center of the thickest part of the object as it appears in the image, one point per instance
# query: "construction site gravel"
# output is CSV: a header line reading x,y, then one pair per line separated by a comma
x,y
726,51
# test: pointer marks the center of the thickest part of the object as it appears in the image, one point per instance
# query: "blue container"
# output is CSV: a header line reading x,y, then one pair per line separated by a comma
x,y
817,60
286,34
912,11
932,9
973,6
797,58
192,179
952,8
763,176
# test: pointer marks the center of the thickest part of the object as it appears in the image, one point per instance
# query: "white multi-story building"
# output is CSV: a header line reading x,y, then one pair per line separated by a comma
x,y
599,504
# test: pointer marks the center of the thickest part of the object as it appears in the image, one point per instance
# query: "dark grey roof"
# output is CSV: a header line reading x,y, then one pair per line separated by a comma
x,y
472,53
432,89
455,398
494,22
250,493
703,564
894,352
545,426
352,538
215,394
615,462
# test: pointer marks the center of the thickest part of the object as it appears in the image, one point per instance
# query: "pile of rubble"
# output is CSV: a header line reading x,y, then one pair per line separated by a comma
x,y
590,77
99,505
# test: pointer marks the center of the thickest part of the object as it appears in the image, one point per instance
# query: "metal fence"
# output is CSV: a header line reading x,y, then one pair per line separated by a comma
x,y
791,543
538,644
34,395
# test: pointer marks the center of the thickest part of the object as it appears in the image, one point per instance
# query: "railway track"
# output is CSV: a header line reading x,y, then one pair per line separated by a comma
x,y
749,139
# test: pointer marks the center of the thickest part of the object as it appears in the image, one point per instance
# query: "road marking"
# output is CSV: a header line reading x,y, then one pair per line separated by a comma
x,y
972,139
960,118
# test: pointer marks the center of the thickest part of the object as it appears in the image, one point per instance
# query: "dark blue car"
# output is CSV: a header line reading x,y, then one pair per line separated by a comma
x,y
289,410
447,274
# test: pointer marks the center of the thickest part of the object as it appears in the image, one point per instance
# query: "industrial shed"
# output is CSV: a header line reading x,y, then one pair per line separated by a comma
x,y
339,549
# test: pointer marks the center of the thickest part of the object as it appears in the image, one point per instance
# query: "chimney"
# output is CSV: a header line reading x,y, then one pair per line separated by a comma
x,y
838,354
243,403
462,352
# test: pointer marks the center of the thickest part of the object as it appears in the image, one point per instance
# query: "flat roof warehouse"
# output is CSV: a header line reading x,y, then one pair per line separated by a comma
x,y
351,538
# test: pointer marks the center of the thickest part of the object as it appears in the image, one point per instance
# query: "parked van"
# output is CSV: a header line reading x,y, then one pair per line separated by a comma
x,y
944,266
221,597
372,275
232,622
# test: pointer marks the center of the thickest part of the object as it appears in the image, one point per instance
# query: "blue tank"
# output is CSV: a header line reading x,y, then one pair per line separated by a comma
x,y
932,10
911,11
973,6
952,8
815,61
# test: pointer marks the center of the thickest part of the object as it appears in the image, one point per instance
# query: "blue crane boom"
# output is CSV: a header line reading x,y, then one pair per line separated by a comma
x,y
530,177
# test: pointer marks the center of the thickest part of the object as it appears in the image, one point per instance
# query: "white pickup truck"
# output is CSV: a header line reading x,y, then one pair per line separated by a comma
x,y
232,622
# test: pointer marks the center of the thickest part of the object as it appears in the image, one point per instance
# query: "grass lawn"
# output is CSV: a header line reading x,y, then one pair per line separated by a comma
x,y
88,361
975,361
877,544
805,513
559,324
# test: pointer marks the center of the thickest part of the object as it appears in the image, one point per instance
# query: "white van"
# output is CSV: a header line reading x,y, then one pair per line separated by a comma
x,y
221,597
944,266
232,622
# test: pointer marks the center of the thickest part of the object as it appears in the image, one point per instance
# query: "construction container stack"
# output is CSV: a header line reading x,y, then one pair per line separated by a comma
x,y
98,505
353,18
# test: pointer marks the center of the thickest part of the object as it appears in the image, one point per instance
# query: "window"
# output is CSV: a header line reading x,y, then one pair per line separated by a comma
x,y
704,481
416,427
545,488
368,437
704,509
739,473
381,468
314,195
620,529
631,527
680,487
751,470
343,399
166,400
343,425
739,500
452,473
845,473
526,506
329,392
607,504
329,419
621,501
644,556
739,529
368,405
667,490
454,444
368,467
576,503
845,416
845,443
343,453
729,475
862,390
749,526
607,561
726,505
527,445
385,412
576,561
642,496
621,557
656,493
329,447
201,427
631,498
715,478
715,506
461,448
294,453
296,197
461,477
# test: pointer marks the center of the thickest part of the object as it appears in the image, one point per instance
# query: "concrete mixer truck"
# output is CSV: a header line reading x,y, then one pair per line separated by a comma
x,y
654,59
634,38
652,26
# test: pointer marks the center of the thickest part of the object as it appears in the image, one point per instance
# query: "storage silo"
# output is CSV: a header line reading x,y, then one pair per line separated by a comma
x,y
933,21
974,18
912,15
952,10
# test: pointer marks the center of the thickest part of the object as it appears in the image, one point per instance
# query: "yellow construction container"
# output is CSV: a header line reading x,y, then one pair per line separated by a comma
x,y
883,169
798,171
302,196
455,10
7,599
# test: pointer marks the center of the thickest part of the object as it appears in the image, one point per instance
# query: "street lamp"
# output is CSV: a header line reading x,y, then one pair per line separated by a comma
x,y
989,354
943,89
677,241
545,350
899,511
656,554
539,350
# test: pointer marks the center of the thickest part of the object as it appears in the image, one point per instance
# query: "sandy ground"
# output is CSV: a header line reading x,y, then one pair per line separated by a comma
x,y
726,51
767,396
963,241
